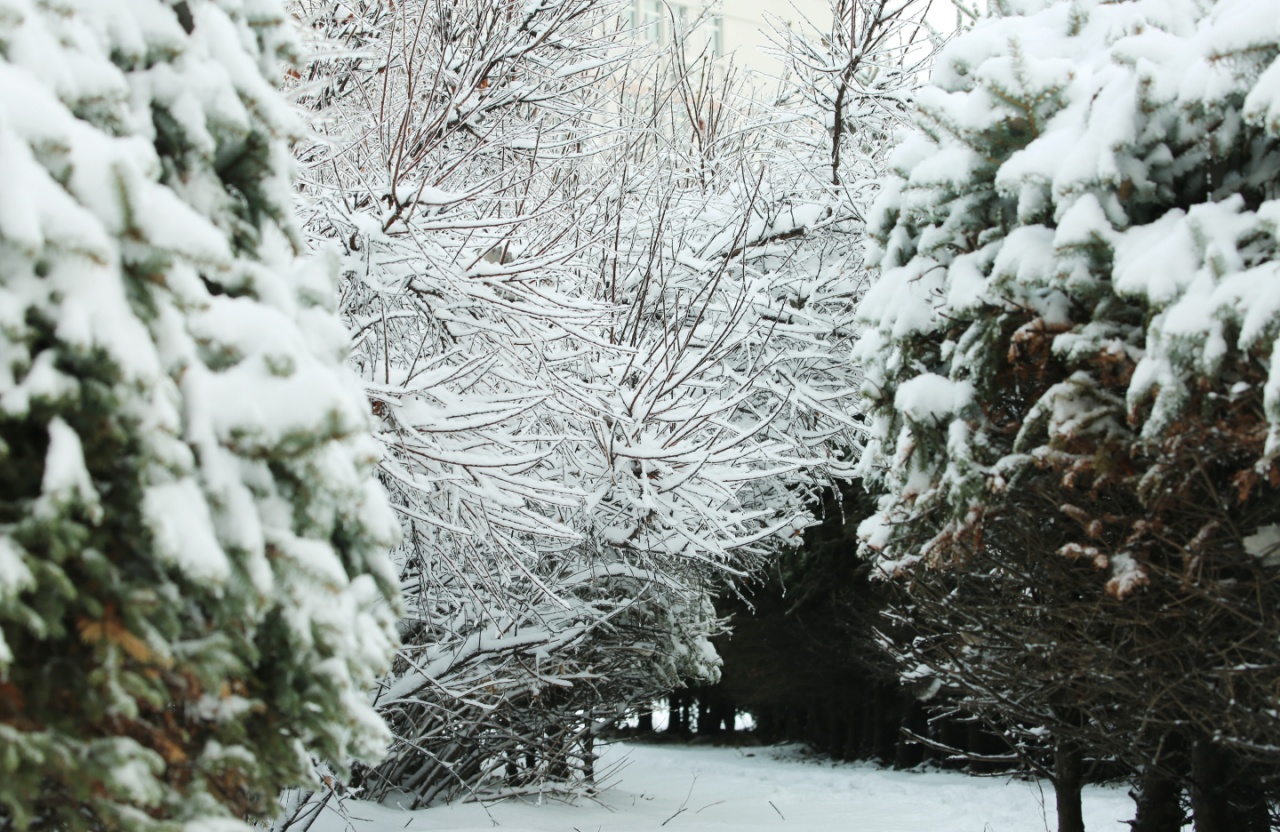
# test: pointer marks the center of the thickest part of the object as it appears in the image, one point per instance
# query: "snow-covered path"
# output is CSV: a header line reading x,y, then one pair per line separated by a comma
x,y
761,790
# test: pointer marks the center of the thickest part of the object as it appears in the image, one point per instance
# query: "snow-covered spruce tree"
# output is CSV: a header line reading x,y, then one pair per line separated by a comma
x,y
194,591
1075,321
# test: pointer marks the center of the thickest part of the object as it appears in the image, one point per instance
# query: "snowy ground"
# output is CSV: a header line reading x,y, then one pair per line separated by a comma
x,y
700,789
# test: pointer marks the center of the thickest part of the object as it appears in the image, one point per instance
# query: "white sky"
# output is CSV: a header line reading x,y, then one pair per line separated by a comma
x,y
745,32
943,15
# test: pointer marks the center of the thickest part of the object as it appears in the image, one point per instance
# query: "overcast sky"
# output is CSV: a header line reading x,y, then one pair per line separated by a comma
x,y
943,15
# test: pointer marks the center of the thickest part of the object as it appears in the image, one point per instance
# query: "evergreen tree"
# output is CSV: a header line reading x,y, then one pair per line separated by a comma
x,y
1074,329
194,595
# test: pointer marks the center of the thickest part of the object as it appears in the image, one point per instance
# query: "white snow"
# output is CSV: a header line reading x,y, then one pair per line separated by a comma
x,y
183,528
702,789
1264,544
65,476
930,396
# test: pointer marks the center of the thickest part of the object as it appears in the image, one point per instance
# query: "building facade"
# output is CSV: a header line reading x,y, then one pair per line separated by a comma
x,y
734,30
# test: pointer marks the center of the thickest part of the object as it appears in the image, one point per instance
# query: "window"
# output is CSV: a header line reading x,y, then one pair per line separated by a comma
x,y
717,35
653,20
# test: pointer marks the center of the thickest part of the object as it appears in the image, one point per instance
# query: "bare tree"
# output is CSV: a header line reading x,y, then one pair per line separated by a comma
x,y
604,332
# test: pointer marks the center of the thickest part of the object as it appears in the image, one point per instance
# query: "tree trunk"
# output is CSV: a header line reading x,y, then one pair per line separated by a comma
x,y
1223,797
975,742
589,759
1159,809
853,733
703,697
909,753
793,723
953,734
867,742
678,721
886,725
767,722
1210,798
839,729
1068,778
725,713
813,727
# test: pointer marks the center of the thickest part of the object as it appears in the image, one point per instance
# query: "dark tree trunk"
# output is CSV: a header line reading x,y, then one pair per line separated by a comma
x,y
909,753
1210,795
679,713
953,734
1159,809
794,731
886,724
703,697
867,740
812,725
853,733
724,713
834,729
976,742
1068,778
644,722
1223,797
839,733
767,722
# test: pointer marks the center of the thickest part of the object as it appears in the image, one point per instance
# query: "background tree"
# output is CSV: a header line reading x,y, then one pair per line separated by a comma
x,y
804,656
194,595
827,135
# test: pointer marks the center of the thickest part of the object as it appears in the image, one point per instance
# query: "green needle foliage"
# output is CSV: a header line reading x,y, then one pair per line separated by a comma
x,y
194,592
